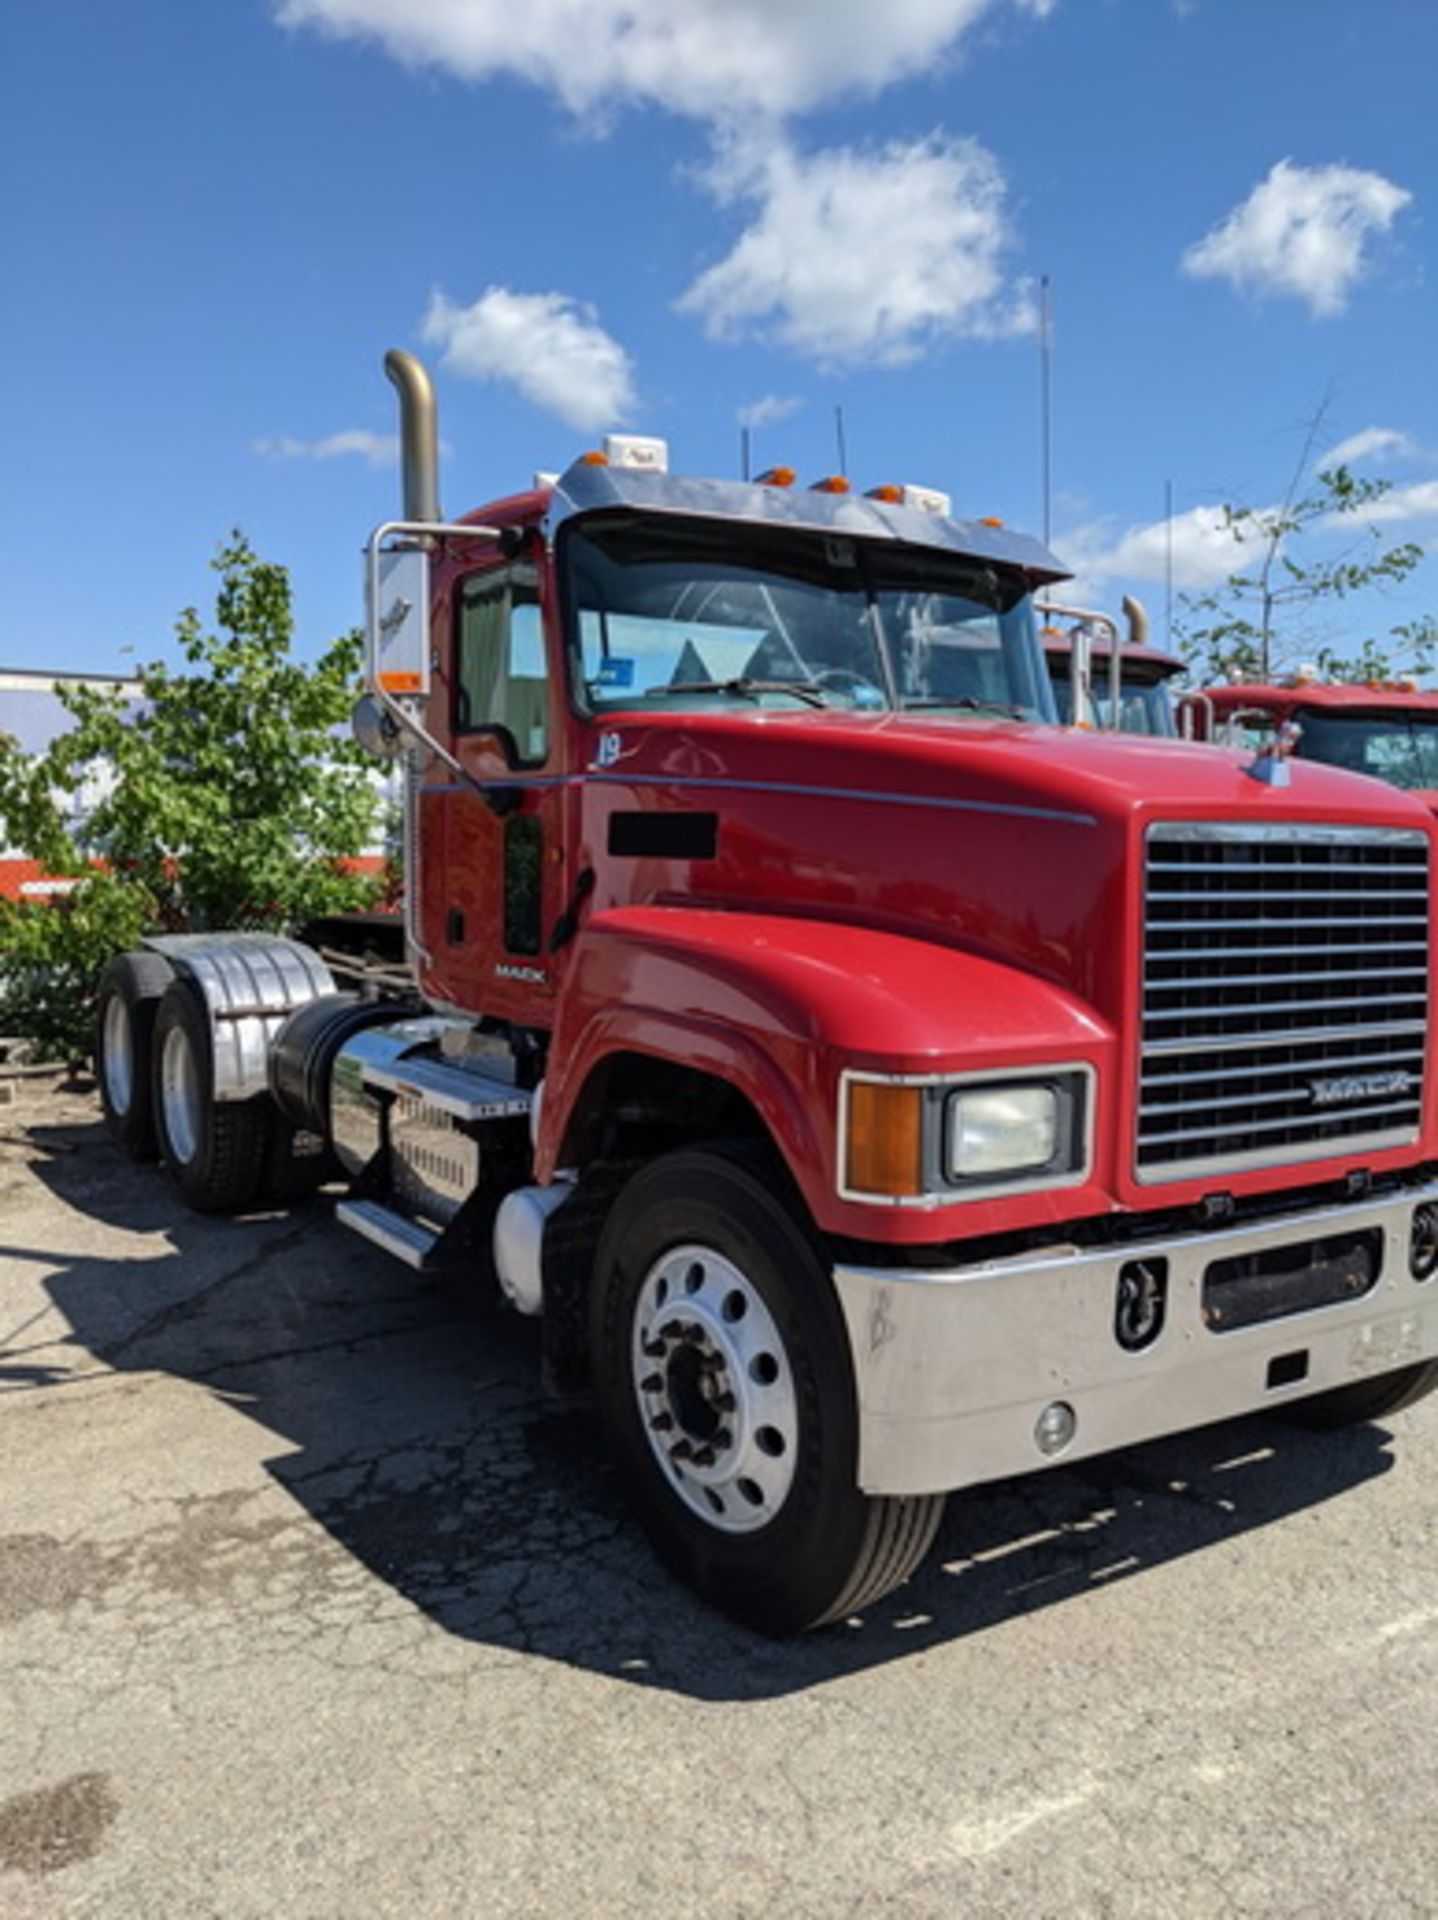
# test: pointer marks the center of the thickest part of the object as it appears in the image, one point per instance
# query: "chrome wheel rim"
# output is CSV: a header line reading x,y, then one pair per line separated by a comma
x,y
118,1063
180,1095
715,1390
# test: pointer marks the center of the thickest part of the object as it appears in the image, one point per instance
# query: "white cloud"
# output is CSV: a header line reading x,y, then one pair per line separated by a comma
x,y
1416,502
862,254
1303,231
1373,443
547,345
376,449
1202,548
713,59
768,411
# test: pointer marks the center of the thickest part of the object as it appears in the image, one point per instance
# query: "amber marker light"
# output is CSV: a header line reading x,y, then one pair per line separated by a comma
x,y
594,458
775,477
891,496
991,520
831,483
884,1144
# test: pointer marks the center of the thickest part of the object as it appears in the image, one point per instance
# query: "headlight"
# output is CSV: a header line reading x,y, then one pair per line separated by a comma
x,y
1001,1130
920,1141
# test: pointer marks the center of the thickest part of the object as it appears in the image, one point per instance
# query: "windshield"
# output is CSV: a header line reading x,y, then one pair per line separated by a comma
x,y
684,613
1144,705
1401,748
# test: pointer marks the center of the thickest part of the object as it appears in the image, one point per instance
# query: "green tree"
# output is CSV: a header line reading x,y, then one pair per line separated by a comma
x,y
236,801
1320,547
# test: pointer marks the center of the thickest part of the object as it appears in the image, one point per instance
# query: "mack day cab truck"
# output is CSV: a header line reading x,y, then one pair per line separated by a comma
x,y
876,1088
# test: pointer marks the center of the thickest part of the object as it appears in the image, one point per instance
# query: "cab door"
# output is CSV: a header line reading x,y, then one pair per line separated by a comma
x,y
502,814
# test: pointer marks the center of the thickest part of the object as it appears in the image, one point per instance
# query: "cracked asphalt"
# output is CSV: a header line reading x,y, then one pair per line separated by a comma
x,y
311,1606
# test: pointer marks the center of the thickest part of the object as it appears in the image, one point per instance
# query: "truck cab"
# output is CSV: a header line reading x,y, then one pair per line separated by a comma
x,y
875,1086
1145,700
1388,730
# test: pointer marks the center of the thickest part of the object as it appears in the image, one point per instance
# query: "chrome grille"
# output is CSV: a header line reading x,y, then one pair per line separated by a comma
x,y
1285,994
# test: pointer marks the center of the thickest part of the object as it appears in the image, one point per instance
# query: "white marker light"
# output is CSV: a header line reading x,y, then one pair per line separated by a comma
x,y
638,451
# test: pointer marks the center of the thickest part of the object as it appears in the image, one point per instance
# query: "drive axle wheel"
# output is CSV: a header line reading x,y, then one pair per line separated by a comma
x,y
130,991
215,1151
725,1388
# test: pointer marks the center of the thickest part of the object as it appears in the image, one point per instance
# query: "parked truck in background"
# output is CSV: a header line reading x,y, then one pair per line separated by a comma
x,y
877,1088
1105,679
1387,729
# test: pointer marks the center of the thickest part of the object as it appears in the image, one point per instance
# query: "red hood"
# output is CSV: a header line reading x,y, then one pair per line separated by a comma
x,y
995,766
1019,842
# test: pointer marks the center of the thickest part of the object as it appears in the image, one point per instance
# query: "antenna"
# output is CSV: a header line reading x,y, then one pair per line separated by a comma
x,y
839,439
744,453
1168,564
1046,395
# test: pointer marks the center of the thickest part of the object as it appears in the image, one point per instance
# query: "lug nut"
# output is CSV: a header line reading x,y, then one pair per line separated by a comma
x,y
681,1450
662,1422
704,1456
723,1403
651,1383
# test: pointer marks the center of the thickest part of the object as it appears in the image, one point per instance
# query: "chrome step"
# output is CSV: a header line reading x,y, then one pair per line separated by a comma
x,y
406,1239
458,1091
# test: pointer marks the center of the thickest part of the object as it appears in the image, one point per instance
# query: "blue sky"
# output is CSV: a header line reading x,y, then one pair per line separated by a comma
x,y
671,214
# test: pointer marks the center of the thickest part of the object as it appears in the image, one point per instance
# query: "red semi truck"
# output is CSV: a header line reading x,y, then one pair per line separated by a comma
x,y
877,1088
1387,729
1100,678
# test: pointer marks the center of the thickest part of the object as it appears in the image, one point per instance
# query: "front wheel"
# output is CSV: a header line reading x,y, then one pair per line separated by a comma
x,y
726,1391
1362,1400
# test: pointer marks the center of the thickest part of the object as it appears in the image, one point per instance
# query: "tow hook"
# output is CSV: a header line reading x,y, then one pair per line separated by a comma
x,y
1140,1303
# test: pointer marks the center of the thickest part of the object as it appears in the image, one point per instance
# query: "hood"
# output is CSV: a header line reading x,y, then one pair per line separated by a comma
x,y
1022,843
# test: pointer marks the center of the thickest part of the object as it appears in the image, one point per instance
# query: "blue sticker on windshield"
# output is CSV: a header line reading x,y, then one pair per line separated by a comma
x,y
616,672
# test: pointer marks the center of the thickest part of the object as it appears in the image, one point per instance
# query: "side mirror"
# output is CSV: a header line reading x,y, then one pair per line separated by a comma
x,y
375,729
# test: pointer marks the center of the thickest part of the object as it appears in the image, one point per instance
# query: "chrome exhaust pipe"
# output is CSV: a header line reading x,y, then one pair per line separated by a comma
x,y
419,435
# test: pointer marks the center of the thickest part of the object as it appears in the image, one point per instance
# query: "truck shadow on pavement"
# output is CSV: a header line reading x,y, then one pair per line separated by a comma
x,y
410,1425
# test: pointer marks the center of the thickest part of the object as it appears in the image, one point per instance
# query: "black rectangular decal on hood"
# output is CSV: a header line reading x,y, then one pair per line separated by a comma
x,y
664,836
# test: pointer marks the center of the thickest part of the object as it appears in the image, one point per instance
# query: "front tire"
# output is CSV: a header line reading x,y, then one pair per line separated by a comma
x,y
131,989
1364,1400
215,1151
726,1392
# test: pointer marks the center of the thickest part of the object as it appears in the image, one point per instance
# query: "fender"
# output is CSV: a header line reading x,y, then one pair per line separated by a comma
x,y
250,983
779,1007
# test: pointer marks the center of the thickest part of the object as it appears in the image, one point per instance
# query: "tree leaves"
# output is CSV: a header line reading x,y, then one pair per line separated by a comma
x,y
1318,549
239,799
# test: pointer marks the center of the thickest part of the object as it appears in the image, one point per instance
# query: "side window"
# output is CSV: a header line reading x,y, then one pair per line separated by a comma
x,y
500,678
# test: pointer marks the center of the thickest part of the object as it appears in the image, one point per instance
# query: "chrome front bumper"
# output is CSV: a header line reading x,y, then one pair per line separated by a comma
x,y
955,1367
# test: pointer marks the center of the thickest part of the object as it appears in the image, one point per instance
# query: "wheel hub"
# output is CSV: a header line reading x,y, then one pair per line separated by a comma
x,y
180,1095
715,1389
117,1049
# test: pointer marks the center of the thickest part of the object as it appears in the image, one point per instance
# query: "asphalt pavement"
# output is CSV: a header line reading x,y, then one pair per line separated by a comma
x,y
311,1606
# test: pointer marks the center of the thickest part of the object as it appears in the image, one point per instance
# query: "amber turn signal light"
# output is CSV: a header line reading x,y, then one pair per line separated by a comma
x,y
883,1151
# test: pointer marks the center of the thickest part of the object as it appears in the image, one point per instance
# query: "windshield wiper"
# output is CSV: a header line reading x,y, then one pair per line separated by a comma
x,y
970,705
807,690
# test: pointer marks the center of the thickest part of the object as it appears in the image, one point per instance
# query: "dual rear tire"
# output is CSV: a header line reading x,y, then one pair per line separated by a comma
x,y
154,1062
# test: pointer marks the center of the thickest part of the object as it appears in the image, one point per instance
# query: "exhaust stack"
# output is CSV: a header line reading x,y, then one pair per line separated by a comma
x,y
419,437
1137,615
